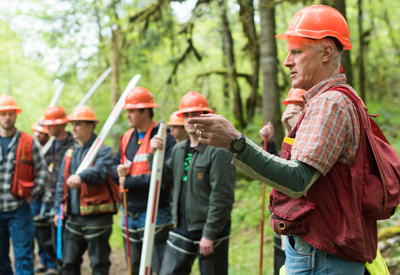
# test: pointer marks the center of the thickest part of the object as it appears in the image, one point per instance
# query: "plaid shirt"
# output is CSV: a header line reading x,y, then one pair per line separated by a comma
x,y
330,130
7,201
54,159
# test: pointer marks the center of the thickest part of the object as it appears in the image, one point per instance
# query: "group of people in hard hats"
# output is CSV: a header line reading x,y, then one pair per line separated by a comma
x,y
195,201
313,179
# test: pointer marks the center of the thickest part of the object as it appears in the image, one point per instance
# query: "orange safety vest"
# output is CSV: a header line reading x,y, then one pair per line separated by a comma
x,y
24,171
140,164
101,198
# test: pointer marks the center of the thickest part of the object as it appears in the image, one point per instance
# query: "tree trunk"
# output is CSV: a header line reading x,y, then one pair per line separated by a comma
x,y
247,17
361,69
340,5
269,66
225,81
232,74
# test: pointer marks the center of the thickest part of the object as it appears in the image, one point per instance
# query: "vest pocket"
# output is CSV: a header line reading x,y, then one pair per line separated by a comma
x,y
288,215
23,188
94,195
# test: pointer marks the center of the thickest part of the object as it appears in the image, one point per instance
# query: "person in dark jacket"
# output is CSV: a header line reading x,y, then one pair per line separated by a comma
x,y
55,120
87,199
132,170
203,196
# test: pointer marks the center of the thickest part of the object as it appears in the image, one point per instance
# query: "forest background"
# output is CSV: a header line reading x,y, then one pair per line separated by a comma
x,y
224,49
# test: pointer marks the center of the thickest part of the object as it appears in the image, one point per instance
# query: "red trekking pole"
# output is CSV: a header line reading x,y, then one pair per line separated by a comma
x,y
262,217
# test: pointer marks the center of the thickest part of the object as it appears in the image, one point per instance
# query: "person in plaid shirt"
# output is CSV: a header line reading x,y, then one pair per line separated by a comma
x,y
317,180
15,213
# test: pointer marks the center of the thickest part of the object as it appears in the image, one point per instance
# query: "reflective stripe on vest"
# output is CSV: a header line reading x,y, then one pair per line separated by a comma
x,y
140,163
95,199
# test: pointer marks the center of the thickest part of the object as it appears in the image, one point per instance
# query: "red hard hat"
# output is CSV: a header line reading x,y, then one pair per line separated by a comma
x,y
317,22
55,115
8,103
193,102
39,126
139,98
175,120
82,113
294,95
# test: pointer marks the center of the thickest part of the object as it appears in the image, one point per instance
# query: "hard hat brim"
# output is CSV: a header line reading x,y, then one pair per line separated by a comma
x,y
194,109
10,108
83,119
312,35
58,121
130,106
40,129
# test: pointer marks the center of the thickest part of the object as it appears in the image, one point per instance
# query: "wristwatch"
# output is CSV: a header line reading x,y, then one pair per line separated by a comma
x,y
238,144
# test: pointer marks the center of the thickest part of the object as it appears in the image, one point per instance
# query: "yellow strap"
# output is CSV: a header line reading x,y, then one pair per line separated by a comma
x,y
378,266
288,140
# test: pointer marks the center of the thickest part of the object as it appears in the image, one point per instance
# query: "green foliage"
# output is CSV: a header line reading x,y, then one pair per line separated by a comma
x,y
116,240
70,41
24,79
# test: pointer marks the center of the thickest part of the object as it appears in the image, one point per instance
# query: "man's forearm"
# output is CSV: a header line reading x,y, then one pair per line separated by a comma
x,y
292,178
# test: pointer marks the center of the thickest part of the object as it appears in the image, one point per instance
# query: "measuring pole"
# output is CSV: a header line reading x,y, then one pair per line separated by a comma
x,y
57,94
94,149
152,204
87,96
95,86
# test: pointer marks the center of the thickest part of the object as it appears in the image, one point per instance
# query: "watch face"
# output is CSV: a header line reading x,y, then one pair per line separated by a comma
x,y
238,145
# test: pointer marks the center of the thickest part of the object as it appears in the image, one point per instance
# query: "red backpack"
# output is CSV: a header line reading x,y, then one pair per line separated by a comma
x,y
381,184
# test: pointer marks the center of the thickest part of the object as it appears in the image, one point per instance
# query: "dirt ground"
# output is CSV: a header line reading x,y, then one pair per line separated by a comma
x,y
117,258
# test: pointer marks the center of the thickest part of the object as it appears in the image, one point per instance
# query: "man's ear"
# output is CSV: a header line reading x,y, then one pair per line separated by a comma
x,y
327,53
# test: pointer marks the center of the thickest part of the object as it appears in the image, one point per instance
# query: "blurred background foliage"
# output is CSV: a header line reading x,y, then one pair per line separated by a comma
x,y
179,46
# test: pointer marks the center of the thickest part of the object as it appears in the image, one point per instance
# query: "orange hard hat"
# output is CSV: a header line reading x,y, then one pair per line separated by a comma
x,y
39,126
8,103
317,22
139,98
175,120
55,115
294,95
193,102
82,113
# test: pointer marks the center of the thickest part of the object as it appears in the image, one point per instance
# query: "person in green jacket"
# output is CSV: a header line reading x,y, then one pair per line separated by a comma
x,y
203,195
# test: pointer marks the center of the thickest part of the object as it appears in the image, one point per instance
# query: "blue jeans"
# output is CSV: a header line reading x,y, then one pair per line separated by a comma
x,y
163,217
302,258
18,225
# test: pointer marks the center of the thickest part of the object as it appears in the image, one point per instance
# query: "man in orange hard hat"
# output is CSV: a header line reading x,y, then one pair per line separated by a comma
x,y
55,120
89,198
40,132
176,127
132,170
203,196
23,176
327,230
